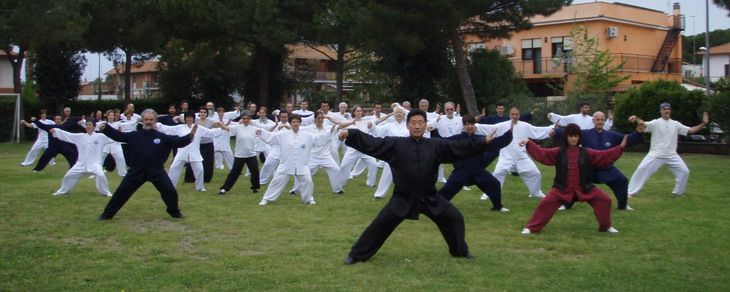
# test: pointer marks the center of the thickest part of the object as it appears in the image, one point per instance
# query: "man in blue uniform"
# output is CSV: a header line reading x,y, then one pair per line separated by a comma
x,y
147,150
56,146
600,139
473,171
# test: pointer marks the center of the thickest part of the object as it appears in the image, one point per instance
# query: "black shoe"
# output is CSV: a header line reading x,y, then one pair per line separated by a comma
x,y
378,198
292,193
255,190
102,218
178,215
470,256
222,192
340,192
350,261
515,174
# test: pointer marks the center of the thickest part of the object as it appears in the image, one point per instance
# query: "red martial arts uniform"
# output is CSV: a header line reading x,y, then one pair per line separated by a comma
x,y
572,188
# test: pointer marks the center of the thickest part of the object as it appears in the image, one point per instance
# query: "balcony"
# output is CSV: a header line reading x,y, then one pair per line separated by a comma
x,y
559,66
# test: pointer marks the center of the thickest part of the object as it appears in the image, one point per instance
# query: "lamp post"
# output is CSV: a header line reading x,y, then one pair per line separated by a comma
x,y
707,47
694,38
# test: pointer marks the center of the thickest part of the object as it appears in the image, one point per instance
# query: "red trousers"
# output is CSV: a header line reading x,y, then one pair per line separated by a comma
x,y
597,198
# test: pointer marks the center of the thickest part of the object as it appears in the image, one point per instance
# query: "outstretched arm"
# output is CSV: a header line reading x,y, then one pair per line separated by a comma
x,y
542,155
705,121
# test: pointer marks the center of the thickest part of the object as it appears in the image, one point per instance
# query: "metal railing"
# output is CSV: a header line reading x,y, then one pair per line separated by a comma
x,y
634,63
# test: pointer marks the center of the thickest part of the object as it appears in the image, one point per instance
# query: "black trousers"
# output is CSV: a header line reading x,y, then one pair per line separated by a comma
x,y
208,152
485,181
134,179
69,153
450,222
109,163
253,167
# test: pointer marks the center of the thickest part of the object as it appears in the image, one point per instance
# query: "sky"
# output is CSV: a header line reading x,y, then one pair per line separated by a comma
x,y
693,25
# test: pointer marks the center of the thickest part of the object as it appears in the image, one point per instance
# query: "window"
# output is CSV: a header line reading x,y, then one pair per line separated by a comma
x,y
531,49
473,46
562,46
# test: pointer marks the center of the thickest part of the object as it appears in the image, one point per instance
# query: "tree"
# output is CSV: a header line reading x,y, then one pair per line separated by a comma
x,y
26,24
691,44
58,71
592,69
126,31
724,4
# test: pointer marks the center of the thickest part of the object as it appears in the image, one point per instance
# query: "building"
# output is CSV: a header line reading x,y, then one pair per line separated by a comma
x,y
143,81
647,40
316,65
6,74
719,62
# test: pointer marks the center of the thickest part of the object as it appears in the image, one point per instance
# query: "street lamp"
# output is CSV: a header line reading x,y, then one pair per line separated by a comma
x,y
707,47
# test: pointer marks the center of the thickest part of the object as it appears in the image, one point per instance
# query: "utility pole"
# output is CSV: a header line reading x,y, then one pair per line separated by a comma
x,y
707,47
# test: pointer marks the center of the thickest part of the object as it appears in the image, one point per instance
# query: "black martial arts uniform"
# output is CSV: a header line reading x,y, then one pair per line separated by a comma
x,y
147,152
414,164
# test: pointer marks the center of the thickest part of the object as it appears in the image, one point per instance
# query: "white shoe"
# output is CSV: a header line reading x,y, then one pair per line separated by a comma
x,y
108,195
222,191
92,176
503,209
57,194
312,202
611,230
23,164
484,197
562,208
465,188
52,164
540,195
263,203
202,190
443,180
526,231
628,208
350,177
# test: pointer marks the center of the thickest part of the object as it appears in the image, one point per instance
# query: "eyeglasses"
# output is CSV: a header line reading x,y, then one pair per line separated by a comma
x,y
449,109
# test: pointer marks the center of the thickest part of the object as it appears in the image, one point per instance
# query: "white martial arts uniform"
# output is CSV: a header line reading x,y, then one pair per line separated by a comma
x,y
115,150
190,153
513,157
274,158
296,149
447,127
321,157
338,145
222,146
663,151
41,143
351,156
394,129
90,147
585,122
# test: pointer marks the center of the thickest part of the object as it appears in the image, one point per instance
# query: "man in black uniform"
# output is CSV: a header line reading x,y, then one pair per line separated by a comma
x,y
414,162
147,150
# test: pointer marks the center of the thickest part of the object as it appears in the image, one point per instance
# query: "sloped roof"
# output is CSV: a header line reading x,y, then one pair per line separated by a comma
x,y
136,68
721,49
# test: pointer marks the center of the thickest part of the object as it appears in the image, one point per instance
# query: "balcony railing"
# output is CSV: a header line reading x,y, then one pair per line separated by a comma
x,y
558,66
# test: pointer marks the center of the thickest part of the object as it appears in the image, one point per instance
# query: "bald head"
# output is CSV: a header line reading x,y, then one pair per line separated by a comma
x,y
599,120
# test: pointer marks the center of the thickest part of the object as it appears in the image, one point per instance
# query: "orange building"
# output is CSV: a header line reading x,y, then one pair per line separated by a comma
x,y
647,40
143,84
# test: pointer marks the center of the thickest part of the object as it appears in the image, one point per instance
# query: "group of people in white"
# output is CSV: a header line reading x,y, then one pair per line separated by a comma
x,y
297,143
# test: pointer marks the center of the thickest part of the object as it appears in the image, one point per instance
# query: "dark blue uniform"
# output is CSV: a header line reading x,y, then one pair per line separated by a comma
x,y
56,146
608,175
147,152
473,171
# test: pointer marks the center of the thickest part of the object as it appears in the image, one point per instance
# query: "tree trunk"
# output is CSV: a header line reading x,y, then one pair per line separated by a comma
x,y
29,64
264,68
341,48
127,76
467,90
17,62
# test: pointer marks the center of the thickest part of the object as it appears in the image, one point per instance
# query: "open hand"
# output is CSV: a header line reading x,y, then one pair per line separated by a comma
x,y
623,142
524,142
490,137
343,135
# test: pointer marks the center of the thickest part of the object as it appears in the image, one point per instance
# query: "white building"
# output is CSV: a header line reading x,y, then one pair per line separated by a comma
x,y
719,62
6,74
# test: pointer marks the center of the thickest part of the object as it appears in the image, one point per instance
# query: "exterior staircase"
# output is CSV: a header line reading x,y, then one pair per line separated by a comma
x,y
660,63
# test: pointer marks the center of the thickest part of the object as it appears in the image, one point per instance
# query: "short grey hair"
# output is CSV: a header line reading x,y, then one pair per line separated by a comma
x,y
343,103
423,101
449,103
149,111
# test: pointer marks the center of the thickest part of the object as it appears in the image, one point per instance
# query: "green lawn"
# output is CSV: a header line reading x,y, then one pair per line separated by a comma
x,y
54,243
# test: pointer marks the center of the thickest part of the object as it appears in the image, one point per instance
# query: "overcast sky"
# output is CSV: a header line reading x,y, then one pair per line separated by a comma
x,y
693,25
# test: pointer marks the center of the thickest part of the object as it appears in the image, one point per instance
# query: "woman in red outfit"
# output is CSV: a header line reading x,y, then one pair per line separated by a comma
x,y
572,179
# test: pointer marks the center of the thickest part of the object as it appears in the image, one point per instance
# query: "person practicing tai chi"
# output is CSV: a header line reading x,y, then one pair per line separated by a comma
x,y
600,139
90,146
190,153
296,147
473,171
148,149
572,181
41,141
663,150
245,134
56,146
414,161
582,119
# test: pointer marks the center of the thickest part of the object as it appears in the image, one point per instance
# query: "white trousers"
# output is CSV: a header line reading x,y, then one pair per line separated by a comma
x,y
650,164
386,179
305,187
222,156
527,169
348,161
329,165
35,150
176,169
75,174
118,160
441,177
359,168
268,169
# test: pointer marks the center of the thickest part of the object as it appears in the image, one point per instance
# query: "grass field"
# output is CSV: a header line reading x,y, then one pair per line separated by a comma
x,y
229,243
